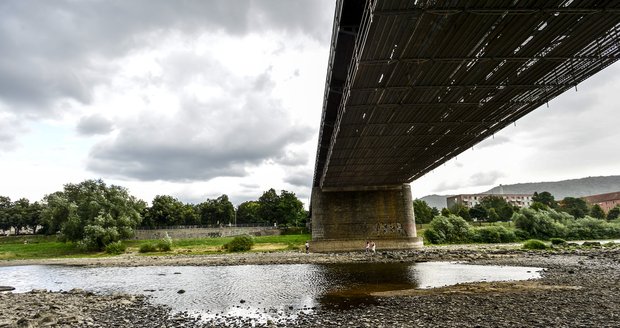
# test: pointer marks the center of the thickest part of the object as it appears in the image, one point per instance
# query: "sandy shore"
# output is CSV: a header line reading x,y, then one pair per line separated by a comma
x,y
579,288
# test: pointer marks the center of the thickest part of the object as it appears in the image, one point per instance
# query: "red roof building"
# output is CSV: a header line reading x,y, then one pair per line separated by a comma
x,y
605,201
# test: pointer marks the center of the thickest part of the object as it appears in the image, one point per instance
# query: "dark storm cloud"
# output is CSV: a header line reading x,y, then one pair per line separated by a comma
x,y
240,127
51,50
93,125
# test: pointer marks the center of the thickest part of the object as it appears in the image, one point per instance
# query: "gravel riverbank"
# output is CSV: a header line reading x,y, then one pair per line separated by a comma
x,y
579,288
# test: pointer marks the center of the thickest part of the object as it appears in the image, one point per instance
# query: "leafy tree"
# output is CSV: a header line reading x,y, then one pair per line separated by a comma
x,y
545,198
34,219
189,215
164,211
5,207
268,209
445,212
478,212
285,208
493,216
93,214
19,214
614,213
422,212
597,212
503,210
248,212
434,211
56,210
576,207
291,210
461,210
217,211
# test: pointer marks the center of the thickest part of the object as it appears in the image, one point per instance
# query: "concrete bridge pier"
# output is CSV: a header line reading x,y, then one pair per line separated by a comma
x,y
343,219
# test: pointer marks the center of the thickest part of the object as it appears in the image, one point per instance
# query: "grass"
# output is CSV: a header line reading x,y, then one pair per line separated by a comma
x,y
214,245
37,247
42,247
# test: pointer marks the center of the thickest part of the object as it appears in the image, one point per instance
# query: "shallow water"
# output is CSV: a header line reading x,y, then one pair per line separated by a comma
x,y
258,291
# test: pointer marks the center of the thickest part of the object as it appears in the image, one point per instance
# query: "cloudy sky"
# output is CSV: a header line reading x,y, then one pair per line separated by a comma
x,y
198,98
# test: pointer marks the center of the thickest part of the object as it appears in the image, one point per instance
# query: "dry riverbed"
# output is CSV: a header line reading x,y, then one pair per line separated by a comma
x,y
579,288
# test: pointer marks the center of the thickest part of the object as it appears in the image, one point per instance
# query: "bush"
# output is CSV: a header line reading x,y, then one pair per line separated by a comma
x,y
115,248
558,241
591,228
165,244
445,230
540,224
147,248
240,244
493,234
534,244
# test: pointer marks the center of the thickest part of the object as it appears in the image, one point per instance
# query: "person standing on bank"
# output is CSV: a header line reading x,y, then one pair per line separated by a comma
x,y
374,247
367,246
307,247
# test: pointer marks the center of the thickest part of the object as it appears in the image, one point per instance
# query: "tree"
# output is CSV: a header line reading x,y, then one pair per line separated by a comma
x,y
545,198
422,212
268,209
461,210
19,214
502,210
614,213
34,216
445,212
248,212
189,215
93,214
290,210
216,211
478,212
164,211
576,207
597,212
5,207
493,216
285,208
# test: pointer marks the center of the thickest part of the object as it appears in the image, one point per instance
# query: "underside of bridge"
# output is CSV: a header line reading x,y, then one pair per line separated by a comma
x,y
411,84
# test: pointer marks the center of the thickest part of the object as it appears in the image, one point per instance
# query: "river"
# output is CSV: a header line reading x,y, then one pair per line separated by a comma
x,y
258,291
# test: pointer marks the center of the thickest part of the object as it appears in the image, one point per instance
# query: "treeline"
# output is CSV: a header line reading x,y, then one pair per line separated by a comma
x,y
93,214
270,208
545,219
495,208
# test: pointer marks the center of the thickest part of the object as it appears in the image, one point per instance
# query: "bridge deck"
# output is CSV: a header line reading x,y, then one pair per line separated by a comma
x,y
412,85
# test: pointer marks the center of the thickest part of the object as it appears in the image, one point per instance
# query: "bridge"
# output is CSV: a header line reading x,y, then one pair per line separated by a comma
x,y
411,84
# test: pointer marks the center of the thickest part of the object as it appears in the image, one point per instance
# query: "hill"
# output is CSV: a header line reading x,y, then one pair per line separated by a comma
x,y
565,188
438,201
559,189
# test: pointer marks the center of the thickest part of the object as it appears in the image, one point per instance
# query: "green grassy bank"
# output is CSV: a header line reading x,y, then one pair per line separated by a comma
x,y
42,247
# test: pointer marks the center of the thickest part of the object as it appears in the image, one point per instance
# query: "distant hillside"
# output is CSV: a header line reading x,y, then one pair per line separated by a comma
x,y
559,189
438,201
565,188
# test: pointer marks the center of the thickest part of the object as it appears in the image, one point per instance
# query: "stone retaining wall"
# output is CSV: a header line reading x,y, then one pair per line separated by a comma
x,y
206,232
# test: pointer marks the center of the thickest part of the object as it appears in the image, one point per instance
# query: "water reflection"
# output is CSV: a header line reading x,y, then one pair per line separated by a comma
x,y
258,291
350,285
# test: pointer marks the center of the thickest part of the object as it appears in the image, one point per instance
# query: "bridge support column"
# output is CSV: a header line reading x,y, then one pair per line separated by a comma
x,y
343,220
